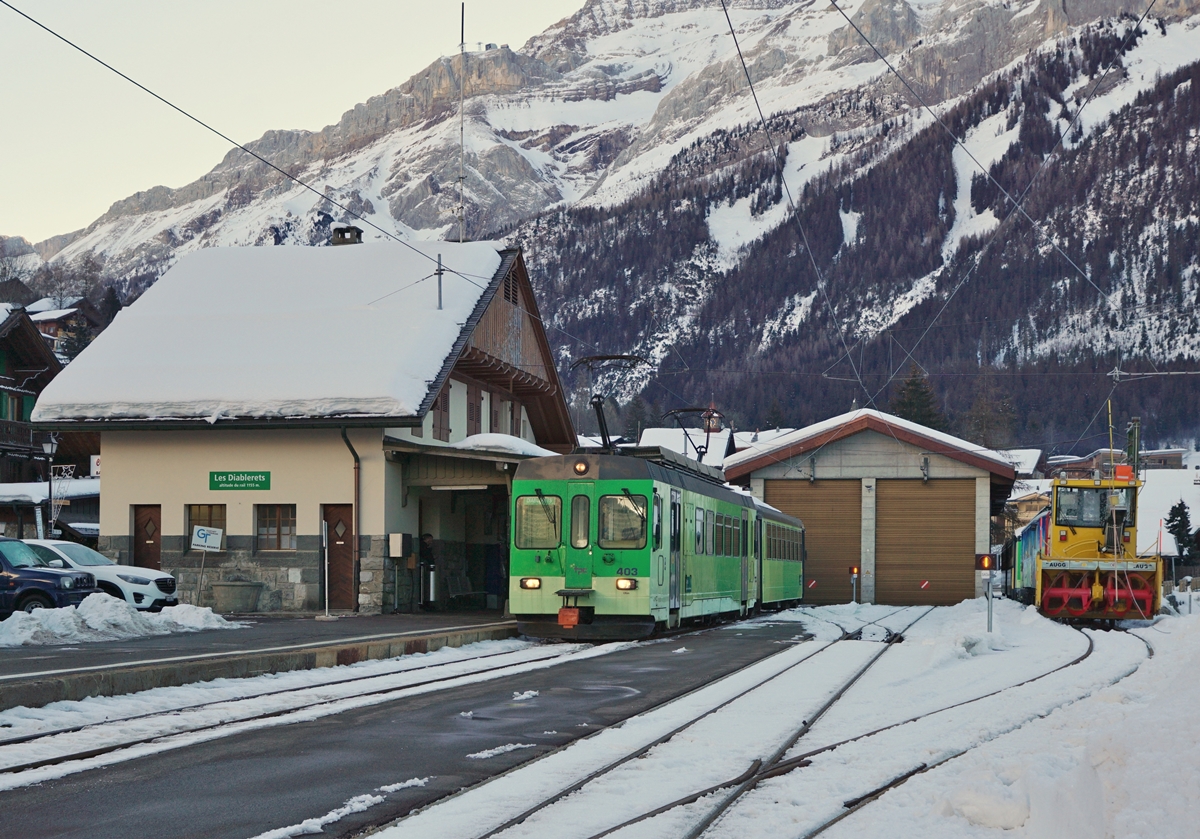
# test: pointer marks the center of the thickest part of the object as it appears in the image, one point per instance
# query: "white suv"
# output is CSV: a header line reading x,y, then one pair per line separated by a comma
x,y
141,588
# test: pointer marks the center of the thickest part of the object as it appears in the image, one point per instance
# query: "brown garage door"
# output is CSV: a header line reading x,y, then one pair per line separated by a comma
x,y
832,516
924,533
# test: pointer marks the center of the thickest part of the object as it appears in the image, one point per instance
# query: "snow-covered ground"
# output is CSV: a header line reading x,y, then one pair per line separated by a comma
x,y
103,618
164,719
1041,747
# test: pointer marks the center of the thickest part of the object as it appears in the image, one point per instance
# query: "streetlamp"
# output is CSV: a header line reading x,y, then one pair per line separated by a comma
x,y
50,446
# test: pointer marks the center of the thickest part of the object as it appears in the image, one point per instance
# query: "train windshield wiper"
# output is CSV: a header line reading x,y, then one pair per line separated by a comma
x,y
636,507
546,508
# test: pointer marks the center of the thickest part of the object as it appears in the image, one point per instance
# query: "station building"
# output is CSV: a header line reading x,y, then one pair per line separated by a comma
x,y
279,393
909,506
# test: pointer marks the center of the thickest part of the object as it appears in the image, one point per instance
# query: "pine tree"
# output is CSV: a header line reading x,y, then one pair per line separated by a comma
x,y
75,342
775,415
635,419
110,304
916,402
1179,525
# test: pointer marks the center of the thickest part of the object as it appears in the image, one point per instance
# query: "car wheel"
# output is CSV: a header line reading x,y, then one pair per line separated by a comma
x,y
111,590
34,602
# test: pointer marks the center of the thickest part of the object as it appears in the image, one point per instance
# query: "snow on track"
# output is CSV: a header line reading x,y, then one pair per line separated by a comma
x,y
164,733
506,796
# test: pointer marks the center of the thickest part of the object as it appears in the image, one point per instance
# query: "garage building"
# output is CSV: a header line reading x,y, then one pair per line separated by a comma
x,y
910,506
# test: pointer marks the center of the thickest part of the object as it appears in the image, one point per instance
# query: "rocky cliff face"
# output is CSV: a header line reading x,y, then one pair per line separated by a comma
x,y
626,133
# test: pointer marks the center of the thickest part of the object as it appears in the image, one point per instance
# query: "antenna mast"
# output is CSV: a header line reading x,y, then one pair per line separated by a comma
x,y
462,73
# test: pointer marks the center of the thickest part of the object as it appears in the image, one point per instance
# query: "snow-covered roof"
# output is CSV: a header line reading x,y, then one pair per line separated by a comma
x,y
1025,461
267,332
685,442
863,418
746,439
37,492
49,304
53,314
502,444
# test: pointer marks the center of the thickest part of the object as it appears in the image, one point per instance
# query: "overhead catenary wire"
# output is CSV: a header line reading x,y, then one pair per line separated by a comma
x,y
288,175
1018,202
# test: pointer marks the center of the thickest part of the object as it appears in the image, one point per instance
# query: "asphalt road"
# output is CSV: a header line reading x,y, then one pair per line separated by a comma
x,y
240,786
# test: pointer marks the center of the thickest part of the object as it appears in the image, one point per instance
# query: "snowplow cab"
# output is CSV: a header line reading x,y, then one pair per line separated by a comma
x,y
1089,568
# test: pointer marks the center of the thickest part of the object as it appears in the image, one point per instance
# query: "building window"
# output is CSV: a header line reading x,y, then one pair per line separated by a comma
x,y
441,415
276,527
474,410
514,418
205,515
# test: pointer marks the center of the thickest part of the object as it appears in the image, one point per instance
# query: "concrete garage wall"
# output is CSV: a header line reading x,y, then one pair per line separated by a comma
x,y
870,456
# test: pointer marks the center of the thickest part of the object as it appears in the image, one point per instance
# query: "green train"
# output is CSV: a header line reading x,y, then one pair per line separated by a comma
x,y
613,546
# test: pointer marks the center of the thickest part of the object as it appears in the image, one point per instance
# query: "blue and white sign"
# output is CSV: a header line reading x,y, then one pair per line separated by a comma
x,y
206,538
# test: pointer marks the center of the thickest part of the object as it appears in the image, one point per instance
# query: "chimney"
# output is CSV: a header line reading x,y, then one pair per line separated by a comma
x,y
346,236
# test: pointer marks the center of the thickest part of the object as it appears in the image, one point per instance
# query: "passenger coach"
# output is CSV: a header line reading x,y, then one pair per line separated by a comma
x,y
611,546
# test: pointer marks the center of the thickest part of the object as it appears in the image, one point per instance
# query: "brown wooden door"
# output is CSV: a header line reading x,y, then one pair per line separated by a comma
x,y
147,536
832,516
339,519
924,542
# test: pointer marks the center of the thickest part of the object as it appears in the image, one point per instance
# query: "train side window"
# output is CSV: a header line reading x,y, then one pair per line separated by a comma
x,y
699,530
710,523
657,522
676,526
581,513
745,533
719,536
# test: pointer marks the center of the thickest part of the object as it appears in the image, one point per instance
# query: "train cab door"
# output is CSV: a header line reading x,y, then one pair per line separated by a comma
x,y
745,554
579,534
676,548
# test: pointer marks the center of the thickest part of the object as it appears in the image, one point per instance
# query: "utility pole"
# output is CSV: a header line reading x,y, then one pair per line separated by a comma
x,y
462,143
439,273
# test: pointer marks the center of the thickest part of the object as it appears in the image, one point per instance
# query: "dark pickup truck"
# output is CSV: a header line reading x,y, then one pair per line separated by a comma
x,y
27,583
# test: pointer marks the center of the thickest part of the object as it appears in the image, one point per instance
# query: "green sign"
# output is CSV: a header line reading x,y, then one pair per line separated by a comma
x,y
239,480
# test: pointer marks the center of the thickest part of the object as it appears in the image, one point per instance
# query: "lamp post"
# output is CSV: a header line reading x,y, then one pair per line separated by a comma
x,y
50,446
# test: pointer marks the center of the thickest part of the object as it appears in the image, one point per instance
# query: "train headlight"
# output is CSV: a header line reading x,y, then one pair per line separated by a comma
x,y
581,467
531,582
626,584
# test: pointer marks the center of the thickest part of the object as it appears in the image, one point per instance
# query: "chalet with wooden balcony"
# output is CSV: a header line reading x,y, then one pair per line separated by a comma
x,y
304,400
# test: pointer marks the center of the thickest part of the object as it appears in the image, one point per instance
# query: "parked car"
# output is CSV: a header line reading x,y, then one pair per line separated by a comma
x,y
142,588
28,583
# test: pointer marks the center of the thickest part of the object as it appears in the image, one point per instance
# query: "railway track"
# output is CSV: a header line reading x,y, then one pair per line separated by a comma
x,y
728,793
167,727
853,805
643,748
20,754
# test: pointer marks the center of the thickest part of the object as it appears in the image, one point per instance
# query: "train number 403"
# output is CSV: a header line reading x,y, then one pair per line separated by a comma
x,y
627,572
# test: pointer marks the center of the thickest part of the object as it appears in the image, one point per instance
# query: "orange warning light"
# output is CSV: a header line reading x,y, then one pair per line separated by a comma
x,y
983,562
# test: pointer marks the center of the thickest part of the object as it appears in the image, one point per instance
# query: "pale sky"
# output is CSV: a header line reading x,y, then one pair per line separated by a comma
x,y
75,137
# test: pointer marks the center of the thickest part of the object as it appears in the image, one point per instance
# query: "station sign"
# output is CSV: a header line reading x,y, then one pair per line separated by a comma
x,y
239,480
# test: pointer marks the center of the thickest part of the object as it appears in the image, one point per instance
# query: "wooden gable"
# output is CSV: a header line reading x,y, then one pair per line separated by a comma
x,y
507,352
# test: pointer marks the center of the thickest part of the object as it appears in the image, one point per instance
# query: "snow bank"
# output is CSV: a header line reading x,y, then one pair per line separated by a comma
x,y
1118,763
104,618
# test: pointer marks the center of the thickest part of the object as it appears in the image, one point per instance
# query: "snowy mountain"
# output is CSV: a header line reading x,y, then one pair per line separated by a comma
x,y
621,147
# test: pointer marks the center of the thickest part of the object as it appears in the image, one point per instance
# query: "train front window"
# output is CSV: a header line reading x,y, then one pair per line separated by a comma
x,y
622,522
1090,507
538,524
581,513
